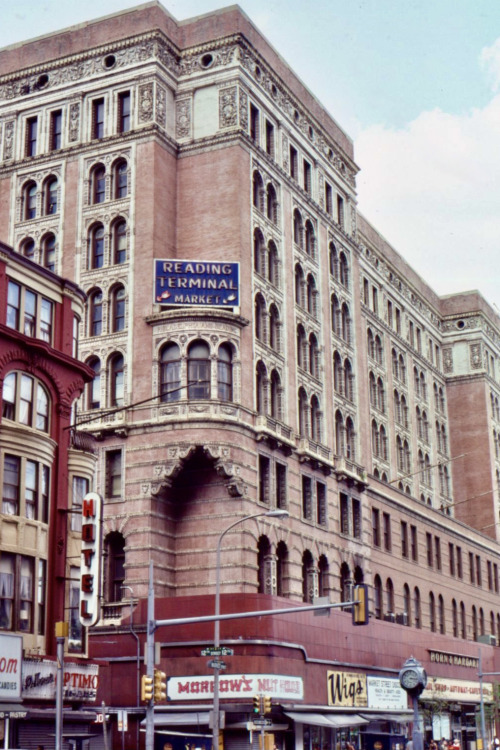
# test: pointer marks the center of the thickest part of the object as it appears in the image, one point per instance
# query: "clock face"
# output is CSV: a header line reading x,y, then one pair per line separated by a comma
x,y
410,679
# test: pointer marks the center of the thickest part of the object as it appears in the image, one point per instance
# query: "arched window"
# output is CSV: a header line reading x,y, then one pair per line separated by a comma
x,y
339,434
350,439
98,184
407,604
380,395
370,343
261,388
348,380
119,241
28,248
346,323
474,623
335,315
264,573
29,200
315,419
95,313
273,261
311,295
117,380
258,191
275,395
417,608
343,270
372,389
198,371
432,612
313,356
309,578
323,576
120,179
378,599
454,617
48,252
118,309
282,569
389,592
303,413
441,617
301,347
310,239
260,318
379,350
259,252
345,583
299,286
114,576
338,381
298,229
50,194
271,204
225,373
274,328
96,246
25,400
463,622
170,373
333,259
94,388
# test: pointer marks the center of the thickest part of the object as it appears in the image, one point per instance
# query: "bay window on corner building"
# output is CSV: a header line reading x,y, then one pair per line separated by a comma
x,y
192,374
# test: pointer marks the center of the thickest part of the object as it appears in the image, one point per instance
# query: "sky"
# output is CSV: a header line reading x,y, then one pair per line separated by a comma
x,y
414,83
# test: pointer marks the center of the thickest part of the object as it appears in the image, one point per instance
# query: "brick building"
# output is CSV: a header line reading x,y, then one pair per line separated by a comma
x,y
326,379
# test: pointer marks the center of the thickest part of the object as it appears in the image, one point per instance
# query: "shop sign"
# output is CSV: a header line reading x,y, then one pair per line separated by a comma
x,y
90,567
386,693
11,651
455,660
347,689
458,691
191,282
235,686
39,680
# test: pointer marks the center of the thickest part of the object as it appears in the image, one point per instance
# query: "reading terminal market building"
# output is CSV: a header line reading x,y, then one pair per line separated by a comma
x,y
256,346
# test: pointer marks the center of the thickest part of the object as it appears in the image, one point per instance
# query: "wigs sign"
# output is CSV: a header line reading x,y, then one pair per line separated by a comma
x,y
190,282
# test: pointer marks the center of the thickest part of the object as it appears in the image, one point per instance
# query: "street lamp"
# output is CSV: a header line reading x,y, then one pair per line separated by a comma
x,y
268,514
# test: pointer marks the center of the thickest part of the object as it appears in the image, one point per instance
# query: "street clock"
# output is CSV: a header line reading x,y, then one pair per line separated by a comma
x,y
413,677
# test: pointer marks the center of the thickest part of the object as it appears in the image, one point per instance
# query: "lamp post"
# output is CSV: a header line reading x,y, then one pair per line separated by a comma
x,y
268,514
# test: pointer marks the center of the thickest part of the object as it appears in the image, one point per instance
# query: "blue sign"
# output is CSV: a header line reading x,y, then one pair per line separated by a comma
x,y
190,282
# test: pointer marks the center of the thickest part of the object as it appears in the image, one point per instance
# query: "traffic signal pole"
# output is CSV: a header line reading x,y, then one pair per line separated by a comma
x,y
150,655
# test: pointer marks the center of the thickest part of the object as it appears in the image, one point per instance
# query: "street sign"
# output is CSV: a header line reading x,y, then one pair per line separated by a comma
x,y
217,651
216,664
262,723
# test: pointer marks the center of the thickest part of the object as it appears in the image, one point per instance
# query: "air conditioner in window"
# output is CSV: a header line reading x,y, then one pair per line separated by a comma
x,y
390,617
402,618
489,639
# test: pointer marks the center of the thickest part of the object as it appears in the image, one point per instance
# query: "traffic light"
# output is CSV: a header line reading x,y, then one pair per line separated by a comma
x,y
146,688
221,740
257,704
267,704
160,686
360,606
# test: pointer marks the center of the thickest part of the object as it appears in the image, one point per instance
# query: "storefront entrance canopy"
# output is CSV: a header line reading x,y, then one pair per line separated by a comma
x,y
186,719
328,720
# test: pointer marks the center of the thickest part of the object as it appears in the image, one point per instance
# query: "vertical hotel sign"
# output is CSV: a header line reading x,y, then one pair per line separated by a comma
x,y
90,570
199,283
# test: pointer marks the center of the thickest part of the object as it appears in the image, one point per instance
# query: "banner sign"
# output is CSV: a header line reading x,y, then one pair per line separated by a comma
x,y
346,689
190,282
11,652
80,681
386,693
458,691
235,686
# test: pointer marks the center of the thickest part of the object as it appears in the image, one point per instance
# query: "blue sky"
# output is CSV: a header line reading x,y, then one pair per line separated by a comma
x,y
415,83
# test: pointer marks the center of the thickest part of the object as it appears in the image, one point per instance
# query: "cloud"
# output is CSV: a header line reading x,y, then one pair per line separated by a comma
x,y
490,62
433,190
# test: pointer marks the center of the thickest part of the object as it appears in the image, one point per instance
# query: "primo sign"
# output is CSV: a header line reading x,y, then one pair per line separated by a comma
x,y
190,282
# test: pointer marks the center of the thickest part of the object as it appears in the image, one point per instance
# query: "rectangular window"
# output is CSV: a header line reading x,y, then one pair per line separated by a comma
x,y
375,300
404,539
387,532
356,518
437,552
41,595
495,577
340,211
45,495
124,112
46,320
344,513
307,498
414,543
269,138
478,571
307,177
29,313
451,555
264,479
114,474
471,568
321,514
294,163
411,333
31,136
281,498
489,571
254,124
398,320
25,583
419,341
376,527
31,490
80,489
458,551
56,130
389,313
328,198
11,485
98,119
430,555
366,292
13,305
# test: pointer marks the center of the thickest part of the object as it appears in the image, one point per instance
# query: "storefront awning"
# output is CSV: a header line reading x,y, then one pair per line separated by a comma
x,y
328,720
187,719
14,710
400,717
